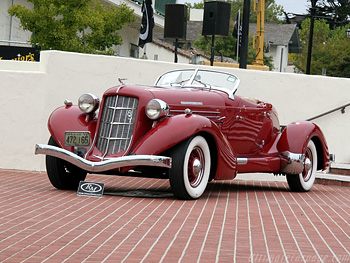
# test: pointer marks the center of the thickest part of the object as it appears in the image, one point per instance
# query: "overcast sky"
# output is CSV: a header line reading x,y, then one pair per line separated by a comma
x,y
290,6
295,6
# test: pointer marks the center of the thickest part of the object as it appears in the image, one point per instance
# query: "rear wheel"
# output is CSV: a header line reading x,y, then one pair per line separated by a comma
x,y
63,175
190,170
305,180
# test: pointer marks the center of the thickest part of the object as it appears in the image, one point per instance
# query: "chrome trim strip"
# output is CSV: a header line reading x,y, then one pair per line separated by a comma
x,y
197,112
215,114
242,161
191,103
110,164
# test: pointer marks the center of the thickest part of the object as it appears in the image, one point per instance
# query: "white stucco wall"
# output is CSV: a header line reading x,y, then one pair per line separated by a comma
x,y
30,91
163,54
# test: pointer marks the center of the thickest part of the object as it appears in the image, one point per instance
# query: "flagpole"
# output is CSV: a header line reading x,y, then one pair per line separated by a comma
x,y
212,50
144,56
176,44
245,32
238,33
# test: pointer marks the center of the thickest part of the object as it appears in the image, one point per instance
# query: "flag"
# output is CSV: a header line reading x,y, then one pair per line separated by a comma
x,y
147,23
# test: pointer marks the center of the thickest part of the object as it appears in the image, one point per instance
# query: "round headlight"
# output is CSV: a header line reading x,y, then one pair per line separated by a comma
x,y
156,109
88,103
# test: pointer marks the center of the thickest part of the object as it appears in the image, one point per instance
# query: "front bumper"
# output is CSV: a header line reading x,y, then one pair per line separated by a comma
x,y
106,165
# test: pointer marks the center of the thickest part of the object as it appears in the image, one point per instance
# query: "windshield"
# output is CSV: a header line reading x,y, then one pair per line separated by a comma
x,y
199,79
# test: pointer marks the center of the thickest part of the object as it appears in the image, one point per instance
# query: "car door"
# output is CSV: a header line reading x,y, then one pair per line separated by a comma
x,y
250,128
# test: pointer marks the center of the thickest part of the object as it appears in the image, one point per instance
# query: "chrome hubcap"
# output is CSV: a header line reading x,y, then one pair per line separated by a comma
x,y
307,165
196,167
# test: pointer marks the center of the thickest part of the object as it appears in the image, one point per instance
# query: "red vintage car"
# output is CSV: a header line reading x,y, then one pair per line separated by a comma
x,y
190,128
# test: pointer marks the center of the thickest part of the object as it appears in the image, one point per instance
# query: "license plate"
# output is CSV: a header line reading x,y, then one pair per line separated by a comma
x,y
77,138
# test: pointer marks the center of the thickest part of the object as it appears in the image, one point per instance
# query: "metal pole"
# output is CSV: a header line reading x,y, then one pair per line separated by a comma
x,y
311,36
176,44
212,50
11,26
238,33
245,32
259,60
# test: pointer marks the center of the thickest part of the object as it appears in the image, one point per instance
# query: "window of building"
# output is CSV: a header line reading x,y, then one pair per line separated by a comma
x,y
134,51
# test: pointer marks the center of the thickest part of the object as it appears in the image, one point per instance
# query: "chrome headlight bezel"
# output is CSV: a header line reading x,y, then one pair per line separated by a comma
x,y
88,103
156,109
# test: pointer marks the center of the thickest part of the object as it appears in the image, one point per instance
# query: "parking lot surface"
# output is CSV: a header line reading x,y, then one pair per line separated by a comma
x,y
139,220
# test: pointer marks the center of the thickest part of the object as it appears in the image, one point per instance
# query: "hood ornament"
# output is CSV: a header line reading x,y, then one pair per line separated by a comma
x,y
121,80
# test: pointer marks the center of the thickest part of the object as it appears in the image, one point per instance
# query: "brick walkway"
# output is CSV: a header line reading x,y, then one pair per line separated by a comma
x,y
138,220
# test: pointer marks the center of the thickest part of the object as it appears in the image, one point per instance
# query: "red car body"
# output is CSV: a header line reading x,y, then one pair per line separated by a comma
x,y
243,135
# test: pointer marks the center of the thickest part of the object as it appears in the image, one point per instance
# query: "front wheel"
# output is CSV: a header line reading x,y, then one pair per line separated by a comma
x,y
190,170
305,180
63,175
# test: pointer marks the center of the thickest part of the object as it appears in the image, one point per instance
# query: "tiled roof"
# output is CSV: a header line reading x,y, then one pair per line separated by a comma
x,y
279,34
276,34
187,53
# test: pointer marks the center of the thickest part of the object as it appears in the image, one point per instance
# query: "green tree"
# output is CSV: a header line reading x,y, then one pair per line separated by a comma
x,y
199,5
84,26
330,50
227,45
272,10
336,12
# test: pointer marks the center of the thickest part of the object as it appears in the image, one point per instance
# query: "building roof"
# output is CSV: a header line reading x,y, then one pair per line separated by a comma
x,y
276,34
187,53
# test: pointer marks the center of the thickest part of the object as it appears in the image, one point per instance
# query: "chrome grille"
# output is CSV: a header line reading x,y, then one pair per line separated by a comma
x,y
117,124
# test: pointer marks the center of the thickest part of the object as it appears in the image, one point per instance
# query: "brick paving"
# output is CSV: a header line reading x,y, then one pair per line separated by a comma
x,y
138,220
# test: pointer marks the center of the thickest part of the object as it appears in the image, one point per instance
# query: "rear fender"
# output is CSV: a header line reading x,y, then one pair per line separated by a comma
x,y
70,118
173,130
297,135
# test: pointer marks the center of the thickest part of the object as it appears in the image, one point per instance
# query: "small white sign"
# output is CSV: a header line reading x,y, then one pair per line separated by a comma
x,y
90,189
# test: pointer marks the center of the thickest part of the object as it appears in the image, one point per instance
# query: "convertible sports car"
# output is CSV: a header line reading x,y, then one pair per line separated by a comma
x,y
190,128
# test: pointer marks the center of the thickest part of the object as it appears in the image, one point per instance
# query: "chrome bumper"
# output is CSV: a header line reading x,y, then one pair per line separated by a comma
x,y
292,163
106,165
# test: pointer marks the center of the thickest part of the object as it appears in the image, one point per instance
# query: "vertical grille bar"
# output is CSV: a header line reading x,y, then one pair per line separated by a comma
x,y
117,123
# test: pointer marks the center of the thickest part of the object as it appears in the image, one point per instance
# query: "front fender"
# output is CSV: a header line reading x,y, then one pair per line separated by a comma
x,y
70,118
173,130
296,136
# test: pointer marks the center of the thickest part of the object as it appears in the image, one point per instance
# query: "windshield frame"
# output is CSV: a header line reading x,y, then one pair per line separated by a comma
x,y
190,82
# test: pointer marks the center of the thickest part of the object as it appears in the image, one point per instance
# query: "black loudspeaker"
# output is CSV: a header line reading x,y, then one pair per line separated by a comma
x,y
216,20
175,21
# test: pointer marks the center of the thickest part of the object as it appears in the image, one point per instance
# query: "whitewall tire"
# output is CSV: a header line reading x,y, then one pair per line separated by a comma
x,y
190,170
305,180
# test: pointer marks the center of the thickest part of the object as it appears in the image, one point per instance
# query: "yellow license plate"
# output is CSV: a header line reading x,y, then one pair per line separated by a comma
x,y
77,138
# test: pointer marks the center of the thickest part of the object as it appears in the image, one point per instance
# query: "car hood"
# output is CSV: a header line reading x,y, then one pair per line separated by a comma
x,y
189,97
176,98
